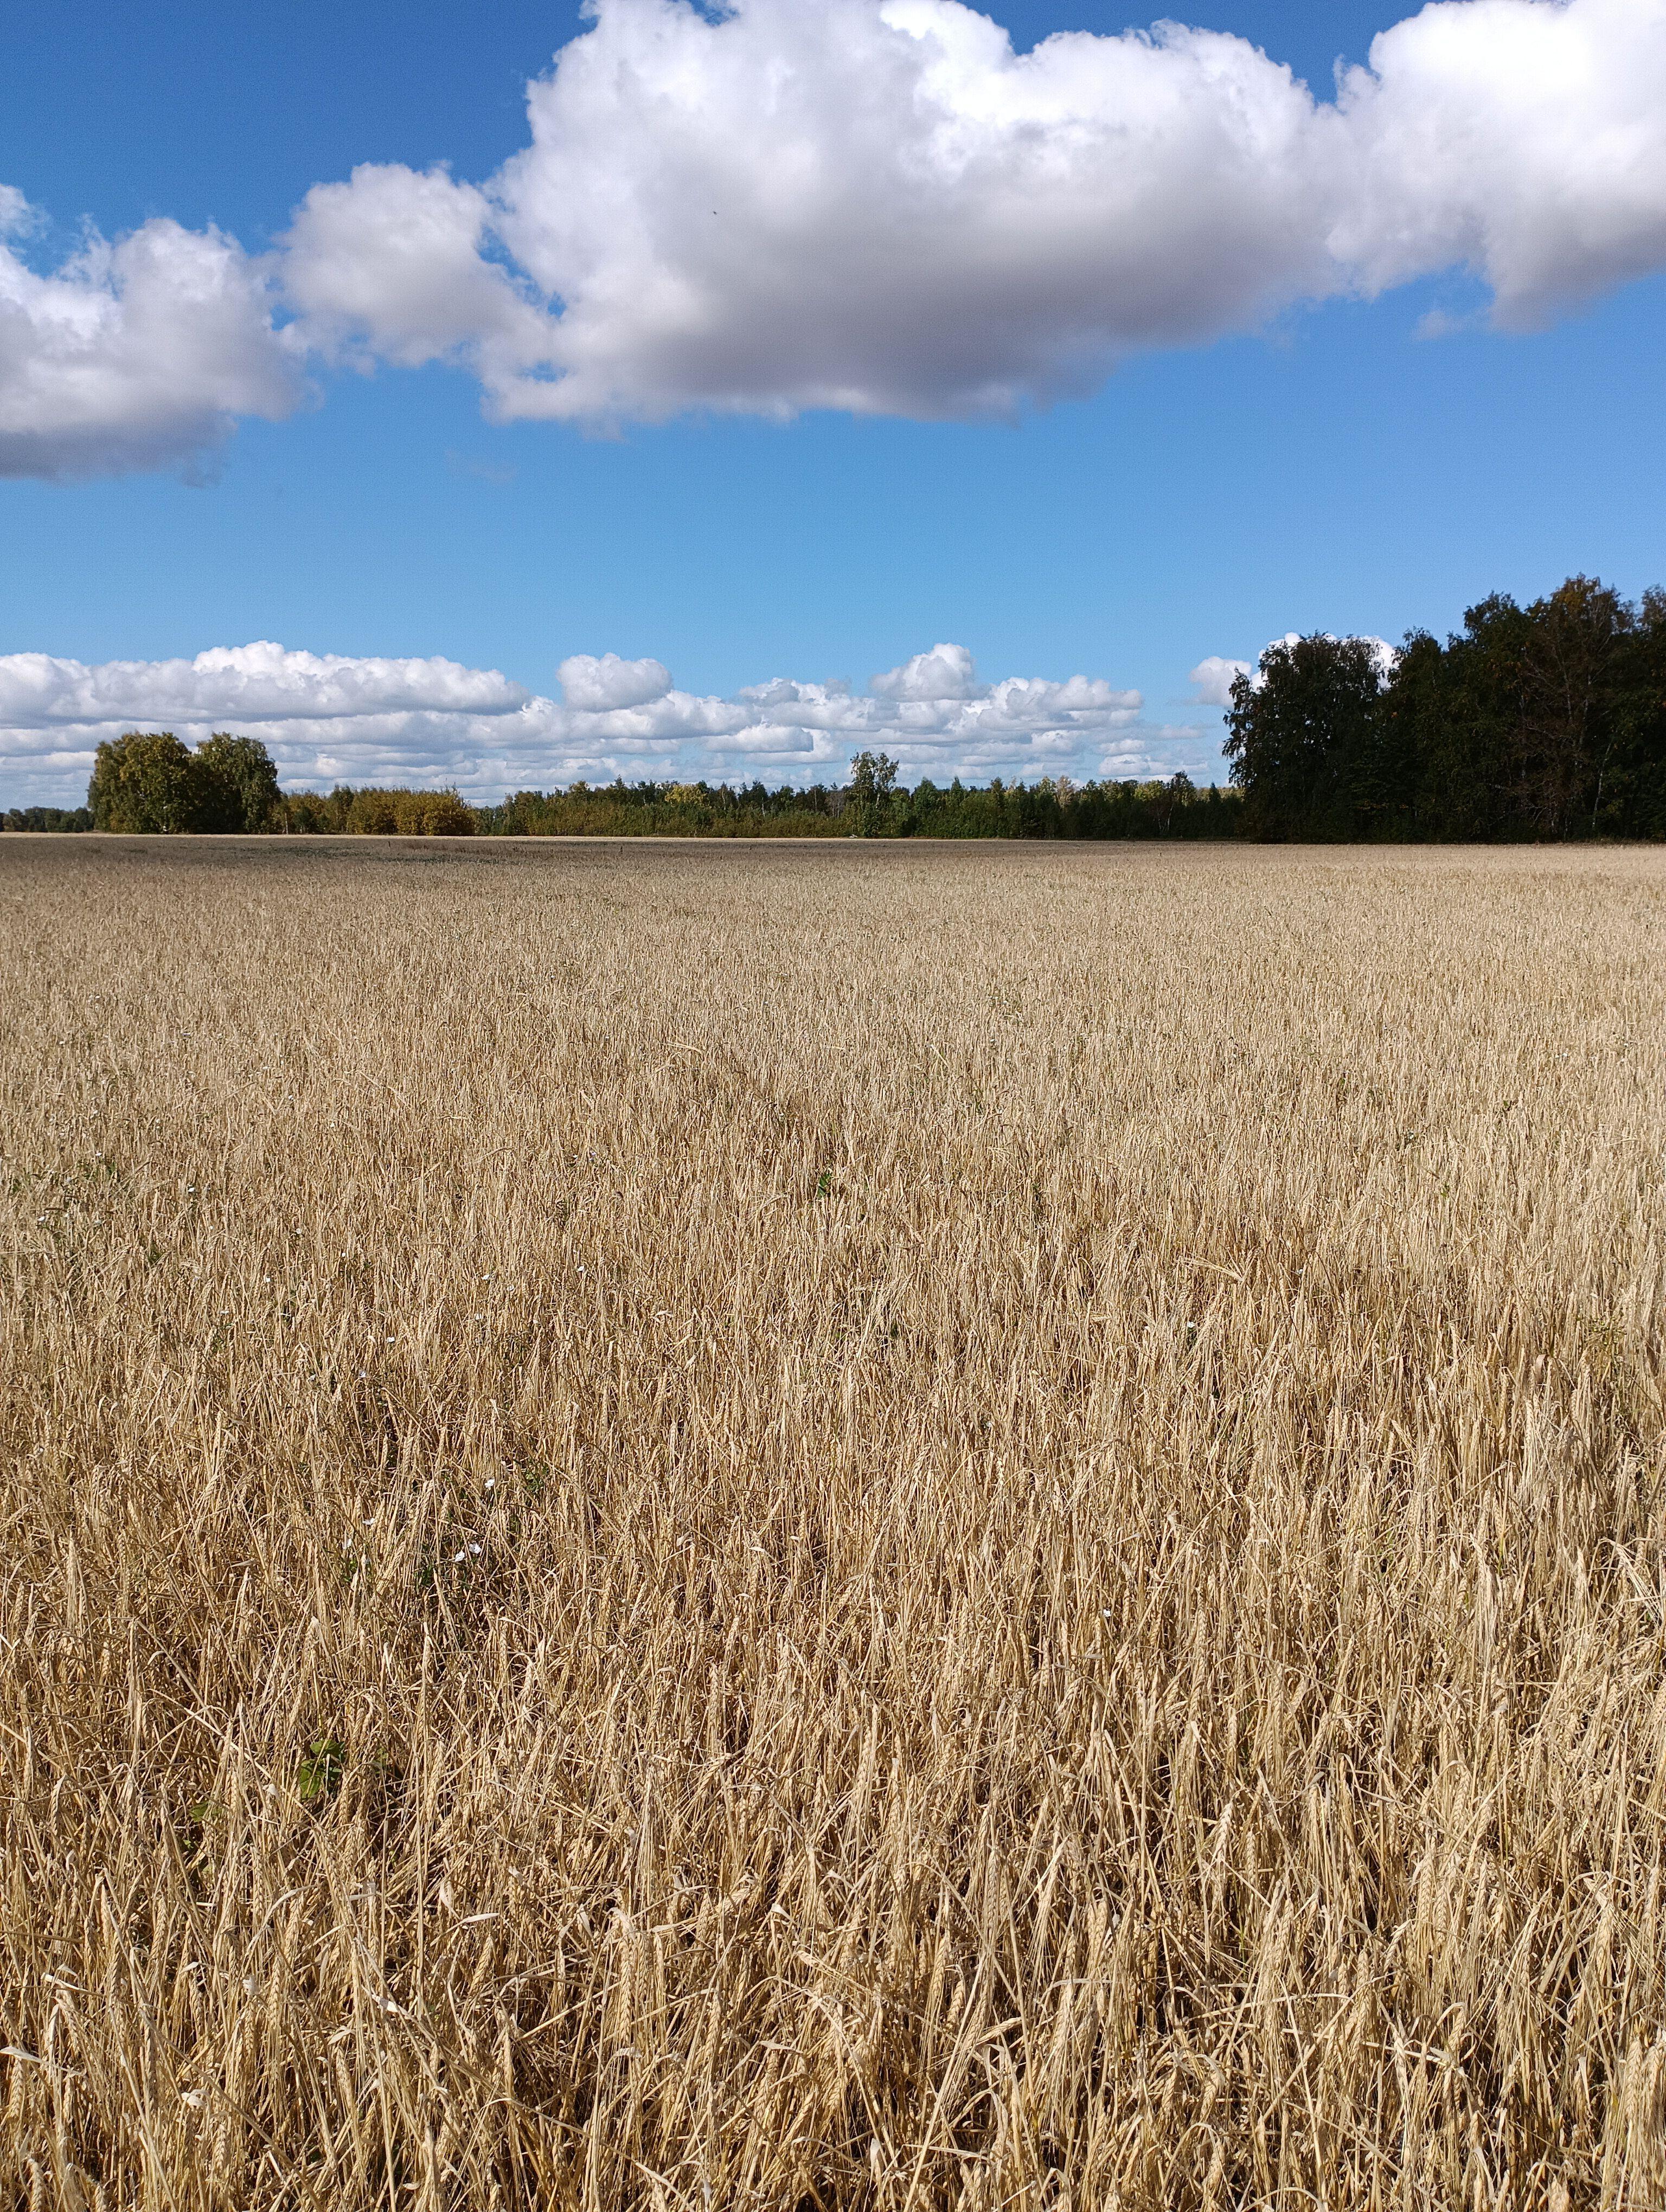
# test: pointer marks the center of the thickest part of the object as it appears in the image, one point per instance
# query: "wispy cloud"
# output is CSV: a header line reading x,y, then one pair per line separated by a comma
x,y
483,471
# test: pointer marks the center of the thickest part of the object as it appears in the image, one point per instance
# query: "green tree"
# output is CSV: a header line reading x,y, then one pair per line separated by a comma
x,y
1521,725
312,814
1169,801
1628,798
872,784
143,782
432,814
238,784
147,782
1305,738
1566,735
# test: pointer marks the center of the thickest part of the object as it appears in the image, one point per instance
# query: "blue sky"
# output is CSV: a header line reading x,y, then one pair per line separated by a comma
x,y
1330,466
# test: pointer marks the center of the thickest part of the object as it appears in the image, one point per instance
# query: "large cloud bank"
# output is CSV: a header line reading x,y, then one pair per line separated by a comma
x,y
874,206
328,719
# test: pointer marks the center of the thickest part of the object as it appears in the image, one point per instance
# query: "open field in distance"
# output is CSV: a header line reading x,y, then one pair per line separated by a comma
x,y
872,1526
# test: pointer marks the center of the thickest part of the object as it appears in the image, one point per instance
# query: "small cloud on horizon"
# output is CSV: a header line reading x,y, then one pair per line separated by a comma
x,y
330,718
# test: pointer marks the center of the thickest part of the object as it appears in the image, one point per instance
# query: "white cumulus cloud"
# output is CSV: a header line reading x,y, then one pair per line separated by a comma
x,y
880,205
330,718
135,354
946,672
391,266
262,683
1214,678
1523,139
874,206
596,685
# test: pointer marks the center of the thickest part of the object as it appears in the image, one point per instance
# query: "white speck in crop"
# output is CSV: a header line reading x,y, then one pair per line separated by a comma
x,y
475,1548
491,1482
456,1558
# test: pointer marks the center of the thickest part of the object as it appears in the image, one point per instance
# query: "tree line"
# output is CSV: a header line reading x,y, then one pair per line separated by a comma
x,y
1544,721
149,782
872,804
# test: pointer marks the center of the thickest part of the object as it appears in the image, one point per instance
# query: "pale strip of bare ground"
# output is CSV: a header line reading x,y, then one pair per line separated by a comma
x,y
861,1527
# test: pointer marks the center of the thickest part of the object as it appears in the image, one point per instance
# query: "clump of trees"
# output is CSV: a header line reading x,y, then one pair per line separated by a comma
x,y
408,814
149,780
1542,721
1055,807
374,812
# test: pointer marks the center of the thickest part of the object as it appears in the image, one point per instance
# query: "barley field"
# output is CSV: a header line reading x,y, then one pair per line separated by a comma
x,y
851,1525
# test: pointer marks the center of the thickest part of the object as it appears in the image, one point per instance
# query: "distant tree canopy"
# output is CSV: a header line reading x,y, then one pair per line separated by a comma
x,y
375,813
872,805
149,780
1543,721
239,782
57,819
408,814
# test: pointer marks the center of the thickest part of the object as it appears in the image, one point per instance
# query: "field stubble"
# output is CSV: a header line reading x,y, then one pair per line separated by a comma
x,y
867,1527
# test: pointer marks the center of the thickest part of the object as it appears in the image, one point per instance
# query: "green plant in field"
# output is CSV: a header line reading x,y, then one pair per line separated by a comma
x,y
318,1776
204,1824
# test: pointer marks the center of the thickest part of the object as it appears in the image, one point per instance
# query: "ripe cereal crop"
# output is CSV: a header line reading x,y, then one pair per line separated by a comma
x,y
867,1525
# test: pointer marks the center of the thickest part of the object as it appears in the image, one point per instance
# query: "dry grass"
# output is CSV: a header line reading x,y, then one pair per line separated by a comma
x,y
890,1526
